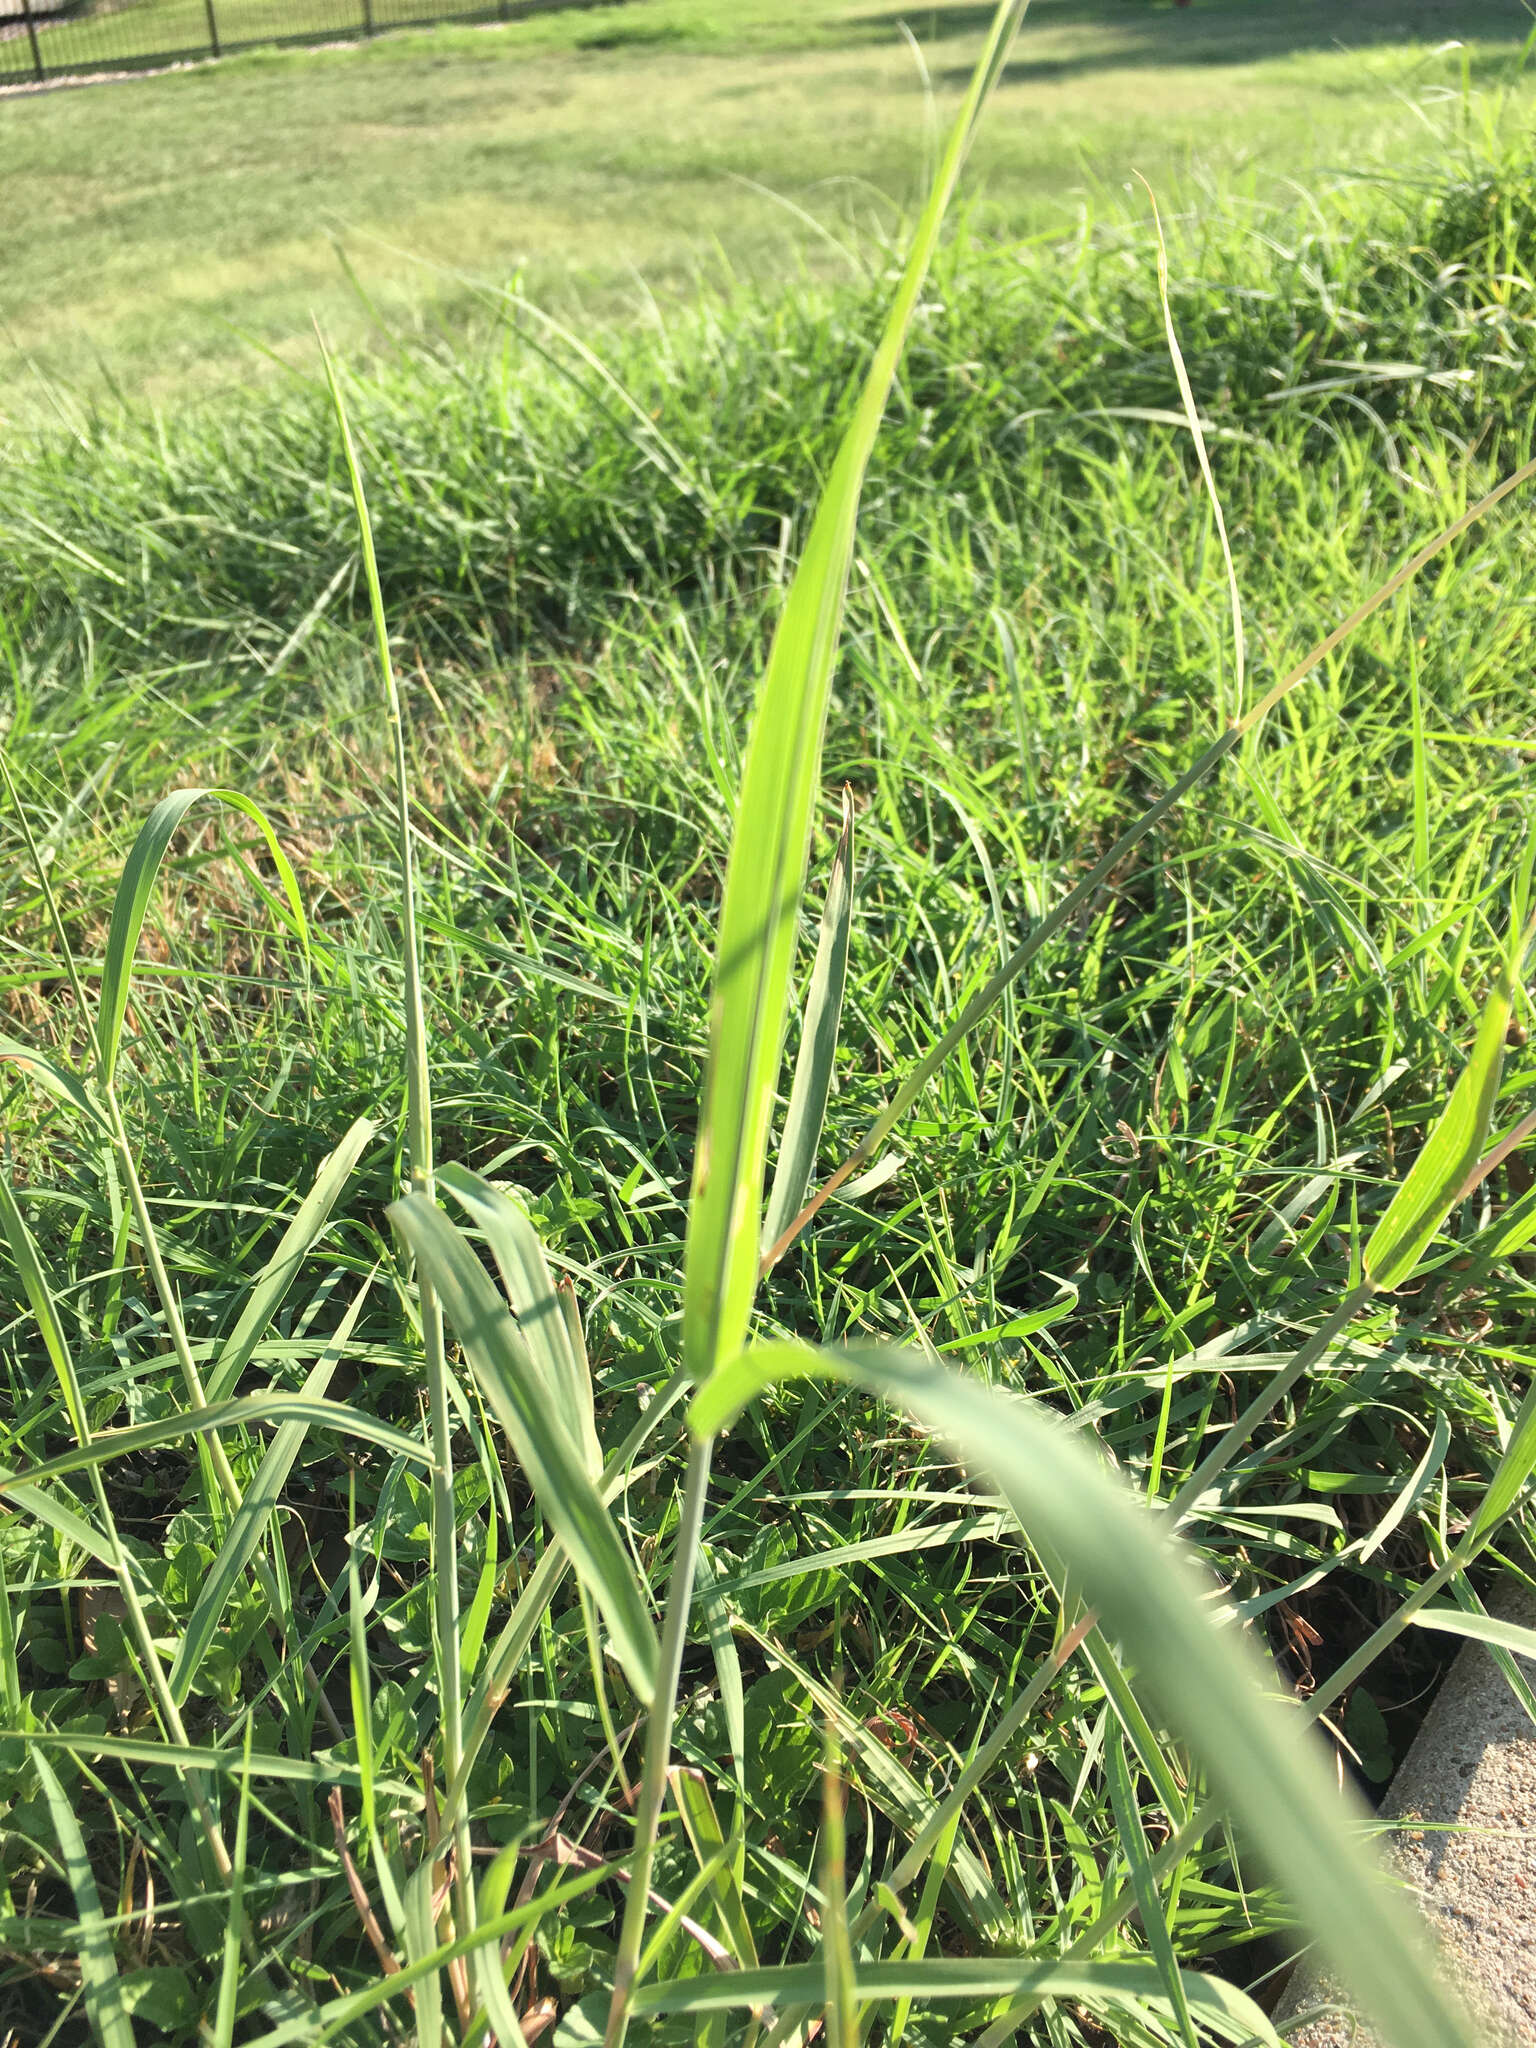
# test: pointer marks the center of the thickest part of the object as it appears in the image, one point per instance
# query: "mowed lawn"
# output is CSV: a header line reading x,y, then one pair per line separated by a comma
x,y
161,234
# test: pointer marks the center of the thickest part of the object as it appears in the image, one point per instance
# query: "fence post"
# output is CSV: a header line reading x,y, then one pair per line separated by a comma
x,y
367,17
213,29
37,53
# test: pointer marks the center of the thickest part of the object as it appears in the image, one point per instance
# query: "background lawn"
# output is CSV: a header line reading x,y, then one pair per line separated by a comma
x,y
158,234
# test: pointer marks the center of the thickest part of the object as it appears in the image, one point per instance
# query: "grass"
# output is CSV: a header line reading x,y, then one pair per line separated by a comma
x,y
160,235
1150,1174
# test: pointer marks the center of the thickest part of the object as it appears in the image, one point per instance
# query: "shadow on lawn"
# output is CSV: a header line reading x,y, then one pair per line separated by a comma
x,y
1138,34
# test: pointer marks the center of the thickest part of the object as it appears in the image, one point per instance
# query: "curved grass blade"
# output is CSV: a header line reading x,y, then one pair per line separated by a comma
x,y
764,882
514,1389
281,1270
1207,1681
131,903
812,1086
187,1756
58,1081
98,1960
255,1511
271,1409
541,1318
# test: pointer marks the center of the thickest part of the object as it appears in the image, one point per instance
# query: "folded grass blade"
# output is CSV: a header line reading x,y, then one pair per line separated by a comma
x,y
279,1273
515,1391
541,1317
1452,1150
814,1068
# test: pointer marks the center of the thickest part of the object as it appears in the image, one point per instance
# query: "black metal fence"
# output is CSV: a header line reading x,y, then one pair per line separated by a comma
x,y
53,39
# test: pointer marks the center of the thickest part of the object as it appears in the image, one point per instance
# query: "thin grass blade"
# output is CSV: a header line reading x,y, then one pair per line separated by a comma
x,y
255,1513
811,1089
279,1273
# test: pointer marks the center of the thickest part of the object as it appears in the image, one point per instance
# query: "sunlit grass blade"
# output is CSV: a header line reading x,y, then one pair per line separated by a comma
x,y
135,888
760,913
98,1959
235,1927
280,1271
840,1999
816,1063
541,1318
515,1391
1479,1628
255,1512
1206,1680
1453,1148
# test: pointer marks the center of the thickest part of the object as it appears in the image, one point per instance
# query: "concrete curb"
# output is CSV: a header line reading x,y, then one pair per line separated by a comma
x,y
1471,1774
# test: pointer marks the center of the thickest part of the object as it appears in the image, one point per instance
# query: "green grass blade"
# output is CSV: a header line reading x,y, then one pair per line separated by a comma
x,y
814,1068
58,1081
1101,1985
131,903
270,1409
514,1389
690,1792
255,1512
98,1959
1451,1151
281,1270
1510,1476
235,1925
1207,1681
1479,1628
766,876
1133,1843
63,1522
541,1318
840,1998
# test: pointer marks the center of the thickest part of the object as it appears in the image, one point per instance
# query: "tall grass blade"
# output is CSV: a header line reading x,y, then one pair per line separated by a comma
x,y
1083,890
815,1067
272,1283
1133,1843
255,1512
1207,1682
56,1080
515,1391
98,1959
766,876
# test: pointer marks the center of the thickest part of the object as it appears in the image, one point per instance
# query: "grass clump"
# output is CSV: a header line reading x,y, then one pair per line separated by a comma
x,y
911,1781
